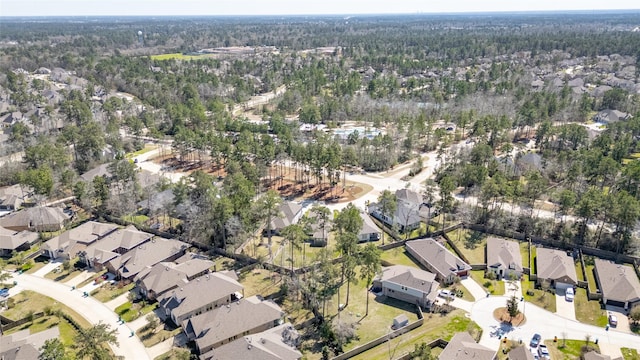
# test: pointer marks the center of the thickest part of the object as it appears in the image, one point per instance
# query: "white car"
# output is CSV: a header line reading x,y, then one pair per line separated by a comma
x,y
446,294
568,295
543,351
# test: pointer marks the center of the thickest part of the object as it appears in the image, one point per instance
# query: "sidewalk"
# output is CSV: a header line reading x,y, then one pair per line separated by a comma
x,y
113,304
474,288
47,268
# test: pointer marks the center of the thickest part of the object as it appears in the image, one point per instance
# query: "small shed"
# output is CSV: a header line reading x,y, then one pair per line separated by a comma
x,y
400,321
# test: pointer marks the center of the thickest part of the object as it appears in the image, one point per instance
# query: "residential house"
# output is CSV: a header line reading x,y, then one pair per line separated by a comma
x,y
409,284
11,198
227,323
128,265
407,215
11,240
370,231
593,355
618,284
113,245
68,244
320,233
165,276
199,295
504,258
290,214
39,218
23,345
437,259
278,343
609,116
556,267
11,119
463,347
520,353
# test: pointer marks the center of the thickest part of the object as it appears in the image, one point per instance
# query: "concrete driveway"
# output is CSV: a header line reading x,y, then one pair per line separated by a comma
x,y
564,308
623,320
477,291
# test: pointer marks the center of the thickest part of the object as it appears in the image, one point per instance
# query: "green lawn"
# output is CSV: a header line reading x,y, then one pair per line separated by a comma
x,y
579,270
591,278
435,326
568,349
144,150
150,338
179,56
175,354
108,292
533,259
59,274
524,251
29,301
129,312
494,287
589,311
630,354
545,300
399,256
260,282
472,244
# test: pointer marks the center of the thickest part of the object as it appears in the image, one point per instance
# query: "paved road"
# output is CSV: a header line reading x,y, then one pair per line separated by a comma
x,y
543,322
89,308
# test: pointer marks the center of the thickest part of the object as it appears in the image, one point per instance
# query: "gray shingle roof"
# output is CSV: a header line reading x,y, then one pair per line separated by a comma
x,y
555,265
463,347
273,344
411,277
289,210
147,255
504,252
11,240
441,259
617,282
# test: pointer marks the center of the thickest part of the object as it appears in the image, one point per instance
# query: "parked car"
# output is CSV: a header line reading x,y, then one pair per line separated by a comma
x,y
543,351
535,340
568,295
613,320
446,294
534,353
4,292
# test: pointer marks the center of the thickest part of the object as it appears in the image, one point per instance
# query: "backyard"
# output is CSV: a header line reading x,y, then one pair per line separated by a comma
x,y
471,244
398,256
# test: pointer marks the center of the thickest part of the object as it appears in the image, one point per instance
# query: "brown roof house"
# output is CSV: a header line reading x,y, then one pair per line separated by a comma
x,y
11,198
618,284
227,323
278,343
113,245
504,258
592,355
437,259
144,256
11,240
520,353
556,267
68,244
290,213
414,286
39,218
156,281
463,347
199,295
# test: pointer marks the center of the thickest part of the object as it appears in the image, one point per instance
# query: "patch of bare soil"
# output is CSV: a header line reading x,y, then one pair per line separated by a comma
x,y
502,315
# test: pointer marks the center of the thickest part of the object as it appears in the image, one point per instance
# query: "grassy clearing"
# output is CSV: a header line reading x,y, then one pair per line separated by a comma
x,y
34,266
399,256
543,299
471,244
421,231
260,282
29,301
589,311
568,349
630,354
131,311
108,292
435,326
578,265
532,256
150,338
494,287
175,354
524,252
179,56
144,150
591,278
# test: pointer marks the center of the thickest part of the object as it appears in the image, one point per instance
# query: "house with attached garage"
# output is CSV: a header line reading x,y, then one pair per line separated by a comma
x,y
116,243
437,259
11,240
68,244
155,281
556,267
290,213
504,258
411,285
406,217
618,284
463,347
370,231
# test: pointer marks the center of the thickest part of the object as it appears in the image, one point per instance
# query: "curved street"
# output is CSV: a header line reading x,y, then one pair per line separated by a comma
x,y
130,347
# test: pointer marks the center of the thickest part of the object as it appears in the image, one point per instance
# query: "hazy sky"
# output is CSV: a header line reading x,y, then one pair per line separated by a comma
x,y
278,7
